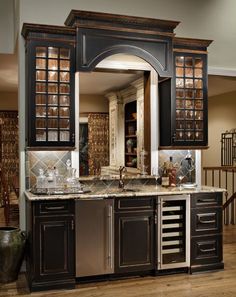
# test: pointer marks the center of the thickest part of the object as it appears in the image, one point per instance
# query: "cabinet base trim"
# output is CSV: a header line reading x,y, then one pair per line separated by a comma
x,y
52,285
207,267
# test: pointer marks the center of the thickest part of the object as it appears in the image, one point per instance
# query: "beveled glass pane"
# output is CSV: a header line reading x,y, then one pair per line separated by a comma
x,y
189,72
52,76
40,87
179,71
198,84
179,61
188,62
189,104
40,123
53,52
41,51
199,94
189,94
52,111
198,72
179,114
198,62
64,65
180,125
52,100
64,136
189,114
40,135
179,83
65,53
198,115
64,76
64,112
52,136
40,99
40,64
64,88
65,100
52,123
179,103
198,104
179,135
189,125
189,135
189,83
198,125
52,64
52,88
64,123
179,93
41,75
199,136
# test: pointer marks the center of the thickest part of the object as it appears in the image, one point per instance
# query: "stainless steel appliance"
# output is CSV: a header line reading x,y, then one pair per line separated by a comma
x,y
94,237
173,232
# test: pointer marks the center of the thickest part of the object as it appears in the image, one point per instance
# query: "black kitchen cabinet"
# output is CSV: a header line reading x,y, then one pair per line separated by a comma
x,y
51,252
50,66
185,97
134,235
206,232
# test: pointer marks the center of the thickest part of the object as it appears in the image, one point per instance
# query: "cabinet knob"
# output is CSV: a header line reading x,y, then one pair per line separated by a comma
x,y
173,136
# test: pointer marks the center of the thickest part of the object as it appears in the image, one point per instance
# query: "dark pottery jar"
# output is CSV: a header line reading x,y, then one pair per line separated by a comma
x,y
12,246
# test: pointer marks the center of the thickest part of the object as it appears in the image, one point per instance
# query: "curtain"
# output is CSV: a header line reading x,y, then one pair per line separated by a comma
x,y
98,142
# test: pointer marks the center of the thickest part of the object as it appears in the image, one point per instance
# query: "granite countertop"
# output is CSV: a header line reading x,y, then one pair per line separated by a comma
x,y
137,191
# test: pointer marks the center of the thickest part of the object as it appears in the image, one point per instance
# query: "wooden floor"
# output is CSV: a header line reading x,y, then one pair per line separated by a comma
x,y
217,284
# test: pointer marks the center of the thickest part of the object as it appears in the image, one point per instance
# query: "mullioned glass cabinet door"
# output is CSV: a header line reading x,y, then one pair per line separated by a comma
x,y
190,99
51,102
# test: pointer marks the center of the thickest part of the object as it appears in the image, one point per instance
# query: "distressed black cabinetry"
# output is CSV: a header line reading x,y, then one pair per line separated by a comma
x,y
185,97
206,232
51,251
50,79
134,235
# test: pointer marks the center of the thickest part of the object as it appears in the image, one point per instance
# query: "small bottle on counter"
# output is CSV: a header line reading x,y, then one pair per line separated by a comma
x,y
172,173
165,176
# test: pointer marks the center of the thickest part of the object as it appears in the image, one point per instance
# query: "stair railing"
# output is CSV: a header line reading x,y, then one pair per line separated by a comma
x,y
224,177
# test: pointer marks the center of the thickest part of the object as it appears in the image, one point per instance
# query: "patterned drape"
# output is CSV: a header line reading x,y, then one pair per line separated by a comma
x,y
98,142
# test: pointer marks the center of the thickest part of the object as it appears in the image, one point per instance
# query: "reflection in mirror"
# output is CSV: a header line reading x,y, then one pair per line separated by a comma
x,y
111,121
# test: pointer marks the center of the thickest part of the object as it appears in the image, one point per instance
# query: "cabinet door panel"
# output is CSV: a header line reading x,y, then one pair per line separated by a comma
x,y
134,242
55,248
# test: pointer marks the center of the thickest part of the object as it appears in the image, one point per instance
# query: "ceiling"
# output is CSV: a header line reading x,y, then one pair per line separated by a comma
x,y
102,82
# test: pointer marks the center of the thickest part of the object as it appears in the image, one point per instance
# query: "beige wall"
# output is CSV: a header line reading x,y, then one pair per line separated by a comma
x,y
93,103
222,117
8,101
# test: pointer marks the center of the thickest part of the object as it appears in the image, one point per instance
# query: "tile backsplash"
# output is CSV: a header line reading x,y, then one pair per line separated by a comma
x,y
44,159
180,162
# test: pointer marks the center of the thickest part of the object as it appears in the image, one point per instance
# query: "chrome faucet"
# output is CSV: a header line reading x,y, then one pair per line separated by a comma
x,y
121,184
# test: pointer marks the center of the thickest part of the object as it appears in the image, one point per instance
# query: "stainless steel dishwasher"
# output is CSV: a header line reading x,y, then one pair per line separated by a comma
x,y
94,237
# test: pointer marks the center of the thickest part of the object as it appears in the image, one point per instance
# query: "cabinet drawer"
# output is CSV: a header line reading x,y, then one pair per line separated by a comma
x,y
206,250
206,221
54,207
206,200
132,204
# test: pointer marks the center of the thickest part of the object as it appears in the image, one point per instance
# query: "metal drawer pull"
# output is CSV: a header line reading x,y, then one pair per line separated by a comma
x,y
206,200
54,207
207,250
206,222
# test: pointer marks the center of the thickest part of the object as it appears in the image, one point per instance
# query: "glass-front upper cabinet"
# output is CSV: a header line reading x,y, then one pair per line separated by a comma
x,y
190,99
50,57
183,108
